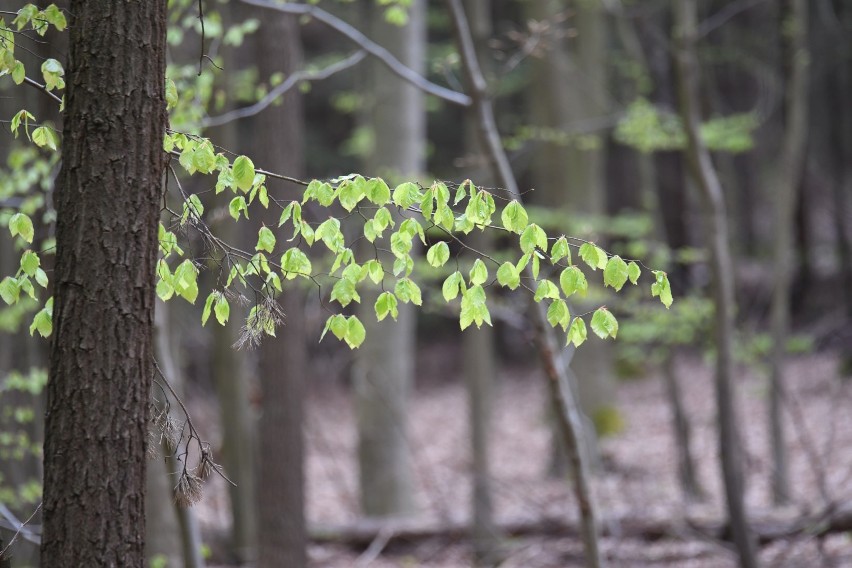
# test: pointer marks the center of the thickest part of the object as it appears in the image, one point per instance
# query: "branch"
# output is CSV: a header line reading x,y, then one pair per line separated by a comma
x,y
274,94
368,45
42,88
21,528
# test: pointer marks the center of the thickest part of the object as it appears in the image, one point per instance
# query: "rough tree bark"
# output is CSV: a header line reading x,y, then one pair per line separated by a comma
x,y
710,188
570,417
789,176
276,139
384,365
107,202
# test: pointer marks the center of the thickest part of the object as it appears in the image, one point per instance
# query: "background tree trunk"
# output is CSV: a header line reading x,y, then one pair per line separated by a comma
x,y
107,201
789,176
706,179
383,374
275,141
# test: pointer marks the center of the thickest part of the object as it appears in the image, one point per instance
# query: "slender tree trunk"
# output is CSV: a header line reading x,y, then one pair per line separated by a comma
x,y
107,201
277,141
789,176
686,471
707,181
384,365
570,417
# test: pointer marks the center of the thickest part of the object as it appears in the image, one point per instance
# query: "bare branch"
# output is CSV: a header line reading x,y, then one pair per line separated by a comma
x,y
368,45
289,83
21,528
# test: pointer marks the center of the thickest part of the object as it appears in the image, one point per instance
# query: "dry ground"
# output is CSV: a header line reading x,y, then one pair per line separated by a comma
x,y
638,479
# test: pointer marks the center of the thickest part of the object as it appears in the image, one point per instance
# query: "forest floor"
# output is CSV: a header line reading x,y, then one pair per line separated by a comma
x,y
637,481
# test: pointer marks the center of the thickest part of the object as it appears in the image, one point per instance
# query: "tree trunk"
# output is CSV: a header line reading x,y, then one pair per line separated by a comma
x,y
686,471
276,141
107,201
384,365
706,179
789,175
570,417
571,79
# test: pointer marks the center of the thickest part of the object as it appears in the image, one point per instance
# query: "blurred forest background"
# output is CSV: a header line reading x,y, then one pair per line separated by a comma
x,y
429,446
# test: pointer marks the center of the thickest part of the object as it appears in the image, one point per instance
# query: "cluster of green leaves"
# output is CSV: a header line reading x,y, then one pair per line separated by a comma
x,y
16,425
649,129
392,219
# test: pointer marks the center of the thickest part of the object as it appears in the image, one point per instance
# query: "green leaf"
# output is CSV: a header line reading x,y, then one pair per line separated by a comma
x,y
329,233
244,173
573,280
288,211
319,191
386,304
474,308
546,289
222,309
560,250
515,217
43,320
30,263
615,273
19,73
633,272
407,291
577,332
662,288
452,285
438,254
604,323
536,264
344,292
350,192
533,236
208,307
44,136
400,244
378,191
508,275
407,194
558,314
592,255
338,326
295,263
355,332
265,240
236,205
461,192
479,273
185,281
20,224
171,94
41,277
10,290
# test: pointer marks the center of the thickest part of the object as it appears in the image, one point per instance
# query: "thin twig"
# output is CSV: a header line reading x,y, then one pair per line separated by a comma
x,y
18,532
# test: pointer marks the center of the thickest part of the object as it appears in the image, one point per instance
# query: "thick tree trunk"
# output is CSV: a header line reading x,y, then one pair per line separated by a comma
x,y
706,179
789,175
384,366
107,201
277,142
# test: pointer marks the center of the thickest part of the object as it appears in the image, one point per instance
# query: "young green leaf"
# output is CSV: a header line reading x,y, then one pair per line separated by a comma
x,y
243,172
438,254
185,281
573,280
577,332
30,263
560,250
452,285
329,233
615,273
592,255
21,224
386,304
533,236
43,320
662,288
508,275
479,273
236,205
407,291
208,308
295,263
604,323
407,194
514,217
344,292
374,270
350,192
265,240
222,309
355,332
546,289
378,191
633,272
10,290
558,314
